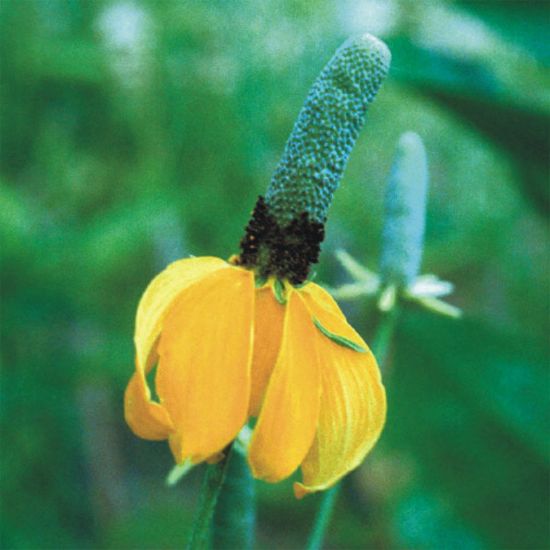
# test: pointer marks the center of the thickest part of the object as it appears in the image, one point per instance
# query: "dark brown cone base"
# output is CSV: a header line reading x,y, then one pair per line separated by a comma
x,y
285,252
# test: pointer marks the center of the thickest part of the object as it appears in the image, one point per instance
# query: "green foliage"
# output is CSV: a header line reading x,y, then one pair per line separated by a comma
x,y
136,132
479,428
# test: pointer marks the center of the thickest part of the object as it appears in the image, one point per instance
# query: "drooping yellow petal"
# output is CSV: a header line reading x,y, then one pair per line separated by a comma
x,y
158,297
324,309
146,418
268,329
288,418
353,410
353,401
205,351
318,299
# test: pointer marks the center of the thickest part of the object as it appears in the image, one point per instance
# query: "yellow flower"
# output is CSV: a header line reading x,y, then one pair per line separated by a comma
x,y
226,350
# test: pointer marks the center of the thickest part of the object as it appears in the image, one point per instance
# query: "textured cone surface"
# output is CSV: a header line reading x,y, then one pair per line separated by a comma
x,y
326,130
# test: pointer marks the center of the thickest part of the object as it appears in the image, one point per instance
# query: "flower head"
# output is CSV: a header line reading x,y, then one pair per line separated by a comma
x,y
226,350
252,337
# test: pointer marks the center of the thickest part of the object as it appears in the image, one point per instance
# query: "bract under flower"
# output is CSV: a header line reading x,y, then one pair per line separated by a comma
x,y
225,351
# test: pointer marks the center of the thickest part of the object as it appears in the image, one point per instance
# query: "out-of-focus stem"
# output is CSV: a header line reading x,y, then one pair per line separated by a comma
x,y
323,518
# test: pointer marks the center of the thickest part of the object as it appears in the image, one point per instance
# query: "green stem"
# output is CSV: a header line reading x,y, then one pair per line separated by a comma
x,y
322,520
384,334
380,347
235,515
211,486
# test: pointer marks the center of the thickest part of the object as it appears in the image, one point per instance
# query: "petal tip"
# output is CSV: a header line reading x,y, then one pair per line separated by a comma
x,y
146,418
300,490
266,472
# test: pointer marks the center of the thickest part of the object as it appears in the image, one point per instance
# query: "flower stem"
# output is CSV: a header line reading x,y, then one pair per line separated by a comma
x,y
323,518
235,514
380,347
211,486
384,334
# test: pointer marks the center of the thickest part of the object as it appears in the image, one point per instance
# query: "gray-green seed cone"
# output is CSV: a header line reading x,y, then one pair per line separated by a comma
x,y
328,125
405,213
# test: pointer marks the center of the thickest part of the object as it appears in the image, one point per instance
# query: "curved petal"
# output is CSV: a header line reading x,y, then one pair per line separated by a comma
x,y
327,312
146,418
288,418
158,297
205,350
353,402
268,330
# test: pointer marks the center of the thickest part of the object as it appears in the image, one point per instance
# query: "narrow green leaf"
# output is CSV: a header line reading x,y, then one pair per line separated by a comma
x,y
355,269
340,340
178,471
260,280
279,292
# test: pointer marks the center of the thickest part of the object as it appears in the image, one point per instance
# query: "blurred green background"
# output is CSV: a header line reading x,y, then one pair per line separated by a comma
x,y
136,132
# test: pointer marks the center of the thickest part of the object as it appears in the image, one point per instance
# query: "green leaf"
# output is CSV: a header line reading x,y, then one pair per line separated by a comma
x,y
469,411
494,100
260,280
178,471
279,292
503,375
